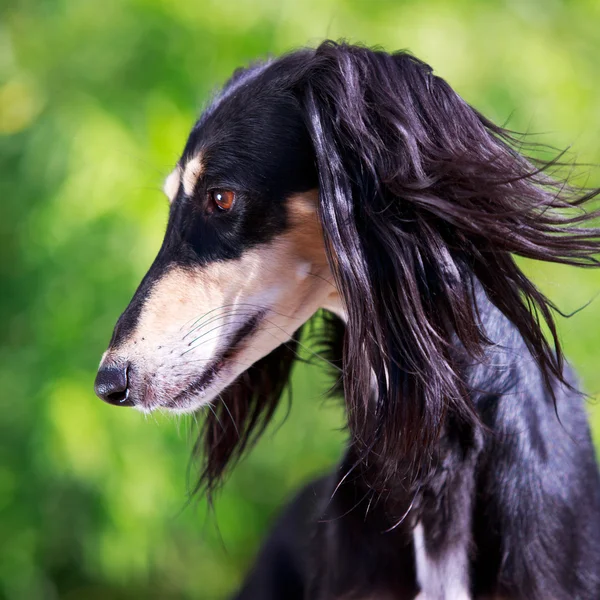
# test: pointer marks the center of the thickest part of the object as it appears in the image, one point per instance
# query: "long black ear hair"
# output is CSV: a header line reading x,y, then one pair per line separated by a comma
x,y
243,411
241,415
419,194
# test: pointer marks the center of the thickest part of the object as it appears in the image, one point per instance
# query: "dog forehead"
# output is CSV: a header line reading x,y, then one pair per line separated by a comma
x,y
253,106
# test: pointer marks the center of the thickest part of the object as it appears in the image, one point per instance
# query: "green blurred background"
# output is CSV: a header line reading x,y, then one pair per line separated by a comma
x,y
96,99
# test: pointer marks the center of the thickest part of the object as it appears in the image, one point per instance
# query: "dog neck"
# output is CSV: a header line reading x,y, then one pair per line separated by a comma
x,y
334,305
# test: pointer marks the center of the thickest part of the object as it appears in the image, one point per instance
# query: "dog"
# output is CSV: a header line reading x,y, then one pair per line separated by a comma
x,y
357,186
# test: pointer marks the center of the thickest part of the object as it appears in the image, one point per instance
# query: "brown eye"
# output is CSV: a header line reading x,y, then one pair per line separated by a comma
x,y
223,199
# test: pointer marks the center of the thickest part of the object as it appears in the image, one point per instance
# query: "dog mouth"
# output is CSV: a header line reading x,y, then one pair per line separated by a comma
x,y
198,388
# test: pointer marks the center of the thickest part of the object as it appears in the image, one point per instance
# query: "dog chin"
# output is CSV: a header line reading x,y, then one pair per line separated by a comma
x,y
188,398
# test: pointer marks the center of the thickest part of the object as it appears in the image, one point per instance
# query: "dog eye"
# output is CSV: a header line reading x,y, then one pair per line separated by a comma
x,y
222,199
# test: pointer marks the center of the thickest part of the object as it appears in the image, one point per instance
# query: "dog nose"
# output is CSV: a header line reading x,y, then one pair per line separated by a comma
x,y
111,385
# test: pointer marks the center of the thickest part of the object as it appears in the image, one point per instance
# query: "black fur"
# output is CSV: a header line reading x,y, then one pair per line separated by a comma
x,y
463,419
423,204
523,488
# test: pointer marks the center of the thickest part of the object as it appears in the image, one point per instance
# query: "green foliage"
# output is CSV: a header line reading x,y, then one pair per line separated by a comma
x,y
96,99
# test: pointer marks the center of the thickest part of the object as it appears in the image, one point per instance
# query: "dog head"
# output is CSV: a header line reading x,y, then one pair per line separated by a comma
x,y
243,262
352,180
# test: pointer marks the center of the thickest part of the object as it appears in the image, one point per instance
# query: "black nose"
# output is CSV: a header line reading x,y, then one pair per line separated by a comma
x,y
111,385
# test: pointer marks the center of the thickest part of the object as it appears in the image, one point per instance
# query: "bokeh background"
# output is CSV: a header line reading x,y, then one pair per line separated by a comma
x,y
96,99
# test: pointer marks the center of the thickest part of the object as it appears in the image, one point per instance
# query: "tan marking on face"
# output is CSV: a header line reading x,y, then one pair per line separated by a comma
x,y
192,314
172,183
191,173
307,227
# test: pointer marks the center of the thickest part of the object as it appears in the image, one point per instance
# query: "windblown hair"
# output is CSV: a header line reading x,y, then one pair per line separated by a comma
x,y
422,200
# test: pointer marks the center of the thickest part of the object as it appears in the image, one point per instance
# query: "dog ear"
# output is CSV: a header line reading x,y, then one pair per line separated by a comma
x,y
421,200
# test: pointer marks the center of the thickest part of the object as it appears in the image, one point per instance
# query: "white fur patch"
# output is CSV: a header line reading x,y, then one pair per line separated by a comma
x,y
303,270
172,183
446,578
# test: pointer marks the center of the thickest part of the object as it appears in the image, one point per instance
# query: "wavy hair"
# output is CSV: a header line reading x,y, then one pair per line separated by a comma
x,y
422,200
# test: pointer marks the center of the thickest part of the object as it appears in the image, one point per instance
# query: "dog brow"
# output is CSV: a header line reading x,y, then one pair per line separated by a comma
x,y
191,173
171,185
